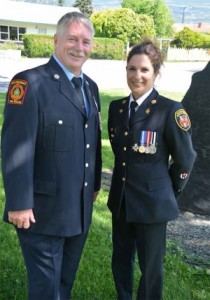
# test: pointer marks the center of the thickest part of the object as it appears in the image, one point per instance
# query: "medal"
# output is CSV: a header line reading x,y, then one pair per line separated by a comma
x,y
147,149
148,141
142,141
135,147
141,149
153,149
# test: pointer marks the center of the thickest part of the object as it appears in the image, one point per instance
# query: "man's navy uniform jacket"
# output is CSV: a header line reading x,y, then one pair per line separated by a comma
x,y
51,152
142,172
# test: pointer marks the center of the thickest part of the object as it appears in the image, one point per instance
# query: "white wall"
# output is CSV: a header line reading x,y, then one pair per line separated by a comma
x,y
180,54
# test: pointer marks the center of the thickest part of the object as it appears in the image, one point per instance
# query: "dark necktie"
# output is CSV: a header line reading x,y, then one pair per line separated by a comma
x,y
77,81
132,111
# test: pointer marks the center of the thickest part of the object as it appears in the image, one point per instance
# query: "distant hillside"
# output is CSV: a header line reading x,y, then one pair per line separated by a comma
x,y
49,2
192,11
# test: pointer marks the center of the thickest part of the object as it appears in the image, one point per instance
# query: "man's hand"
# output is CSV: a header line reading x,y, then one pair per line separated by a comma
x,y
21,218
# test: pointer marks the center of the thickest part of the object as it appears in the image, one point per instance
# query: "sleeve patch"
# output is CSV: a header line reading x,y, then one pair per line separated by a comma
x,y
17,91
182,119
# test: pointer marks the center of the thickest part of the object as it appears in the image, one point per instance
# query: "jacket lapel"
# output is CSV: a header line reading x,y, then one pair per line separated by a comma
x,y
146,108
65,87
90,97
123,111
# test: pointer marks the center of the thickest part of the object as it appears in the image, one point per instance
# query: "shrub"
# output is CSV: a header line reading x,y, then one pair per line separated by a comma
x,y
37,45
105,48
187,38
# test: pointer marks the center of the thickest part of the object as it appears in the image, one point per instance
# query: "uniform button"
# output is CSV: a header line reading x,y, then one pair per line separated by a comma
x,y
123,164
87,165
86,184
88,146
125,133
123,179
124,148
86,125
60,122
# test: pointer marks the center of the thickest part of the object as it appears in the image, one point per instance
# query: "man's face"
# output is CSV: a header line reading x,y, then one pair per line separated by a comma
x,y
73,46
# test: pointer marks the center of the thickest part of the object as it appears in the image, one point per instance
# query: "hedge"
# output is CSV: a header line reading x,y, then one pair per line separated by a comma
x,y
43,46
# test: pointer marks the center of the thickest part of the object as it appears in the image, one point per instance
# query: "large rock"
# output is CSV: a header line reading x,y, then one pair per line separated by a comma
x,y
196,195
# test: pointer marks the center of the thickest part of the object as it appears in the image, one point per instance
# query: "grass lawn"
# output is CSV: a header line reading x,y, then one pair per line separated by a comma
x,y
94,279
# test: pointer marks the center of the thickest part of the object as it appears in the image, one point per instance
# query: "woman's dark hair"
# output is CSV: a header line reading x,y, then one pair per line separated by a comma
x,y
148,48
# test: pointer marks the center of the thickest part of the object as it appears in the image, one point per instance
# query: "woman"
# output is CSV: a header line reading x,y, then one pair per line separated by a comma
x,y
145,184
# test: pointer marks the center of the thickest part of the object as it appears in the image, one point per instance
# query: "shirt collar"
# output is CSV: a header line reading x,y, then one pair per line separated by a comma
x,y
140,99
68,73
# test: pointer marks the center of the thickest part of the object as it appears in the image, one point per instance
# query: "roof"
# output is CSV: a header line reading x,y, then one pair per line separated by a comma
x,y
199,27
26,12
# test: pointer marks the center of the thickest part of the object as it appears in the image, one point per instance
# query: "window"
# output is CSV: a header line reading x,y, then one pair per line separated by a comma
x,y
21,32
11,33
4,35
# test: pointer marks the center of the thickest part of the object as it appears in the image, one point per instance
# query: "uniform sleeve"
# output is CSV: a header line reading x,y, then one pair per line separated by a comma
x,y
178,136
18,144
110,125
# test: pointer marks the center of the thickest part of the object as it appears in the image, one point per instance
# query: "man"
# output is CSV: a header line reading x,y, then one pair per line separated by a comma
x,y
51,160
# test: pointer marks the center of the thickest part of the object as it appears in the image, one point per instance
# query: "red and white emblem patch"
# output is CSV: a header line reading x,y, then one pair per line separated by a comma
x,y
182,119
17,91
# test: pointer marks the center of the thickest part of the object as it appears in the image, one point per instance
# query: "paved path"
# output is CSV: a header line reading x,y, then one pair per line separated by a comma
x,y
111,74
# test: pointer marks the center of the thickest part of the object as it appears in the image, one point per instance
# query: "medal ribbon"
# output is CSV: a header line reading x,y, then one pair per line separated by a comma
x,y
142,137
154,138
148,138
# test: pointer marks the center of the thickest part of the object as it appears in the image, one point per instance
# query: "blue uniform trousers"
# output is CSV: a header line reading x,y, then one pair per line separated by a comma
x,y
51,263
149,241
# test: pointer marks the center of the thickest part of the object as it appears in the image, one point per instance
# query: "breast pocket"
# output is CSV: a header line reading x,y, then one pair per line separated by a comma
x,y
58,132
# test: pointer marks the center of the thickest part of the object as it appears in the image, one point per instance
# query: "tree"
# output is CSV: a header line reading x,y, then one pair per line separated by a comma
x,y
158,10
187,38
122,23
85,6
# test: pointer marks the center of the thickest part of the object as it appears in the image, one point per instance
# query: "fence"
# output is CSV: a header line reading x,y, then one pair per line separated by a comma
x,y
180,54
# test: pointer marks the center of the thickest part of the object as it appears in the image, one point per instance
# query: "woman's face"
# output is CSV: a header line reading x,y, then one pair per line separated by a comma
x,y
140,75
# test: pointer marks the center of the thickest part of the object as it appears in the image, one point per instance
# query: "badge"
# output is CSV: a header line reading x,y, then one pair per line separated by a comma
x,y
56,76
183,175
182,119
17,90
147,111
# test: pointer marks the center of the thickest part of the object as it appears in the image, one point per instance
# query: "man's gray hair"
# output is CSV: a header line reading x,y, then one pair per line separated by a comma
x,y
74,17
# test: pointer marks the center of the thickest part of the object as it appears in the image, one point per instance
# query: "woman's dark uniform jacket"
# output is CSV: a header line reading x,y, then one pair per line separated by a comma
x,y
51,153
149,183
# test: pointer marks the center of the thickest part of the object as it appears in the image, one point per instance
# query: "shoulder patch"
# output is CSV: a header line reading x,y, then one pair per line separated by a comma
x,y
17,91
182,119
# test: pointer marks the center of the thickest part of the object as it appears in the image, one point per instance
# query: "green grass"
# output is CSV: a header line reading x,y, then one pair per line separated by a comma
x,y
94,278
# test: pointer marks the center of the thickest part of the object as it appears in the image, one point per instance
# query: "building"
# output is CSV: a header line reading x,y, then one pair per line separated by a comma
x,y
198,27
17,18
